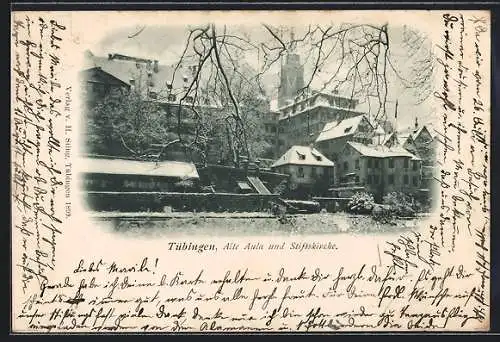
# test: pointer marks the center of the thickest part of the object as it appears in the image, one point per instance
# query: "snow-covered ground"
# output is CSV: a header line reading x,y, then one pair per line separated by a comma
x,y
245,224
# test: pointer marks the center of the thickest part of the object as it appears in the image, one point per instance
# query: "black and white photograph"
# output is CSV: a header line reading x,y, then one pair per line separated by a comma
x,y
260,129
250,171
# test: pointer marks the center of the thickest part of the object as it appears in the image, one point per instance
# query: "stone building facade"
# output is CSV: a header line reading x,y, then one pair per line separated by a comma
x,y
376,169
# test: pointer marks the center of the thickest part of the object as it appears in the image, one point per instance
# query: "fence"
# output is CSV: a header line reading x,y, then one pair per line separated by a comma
x,y
157,201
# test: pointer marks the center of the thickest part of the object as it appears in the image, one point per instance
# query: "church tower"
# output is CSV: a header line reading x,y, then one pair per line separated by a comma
x,y
291,77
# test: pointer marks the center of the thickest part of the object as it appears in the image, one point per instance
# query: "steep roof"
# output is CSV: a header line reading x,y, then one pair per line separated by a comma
x,y
400,139
127,68
414,133
303,155
389,137
381,151
379,130
337,129
96,74
420,131
139,168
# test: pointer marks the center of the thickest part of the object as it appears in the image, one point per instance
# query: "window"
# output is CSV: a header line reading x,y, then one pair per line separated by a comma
x,y
169,86
390,179
370,163
406,179
273,129
369,179
391,163
377,163
318,157
301,172
313,172
376,179
346,166
415,165
356,164
153,95
407,162
189,99
172,98
357,179
415,181
301,156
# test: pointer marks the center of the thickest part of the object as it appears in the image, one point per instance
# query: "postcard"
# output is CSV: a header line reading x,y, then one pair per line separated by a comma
x,y
232,171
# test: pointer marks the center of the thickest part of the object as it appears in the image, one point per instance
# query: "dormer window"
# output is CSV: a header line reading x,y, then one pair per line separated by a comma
x,y
172,98
169,85
189,99
347,129
301,156
185,78
318,157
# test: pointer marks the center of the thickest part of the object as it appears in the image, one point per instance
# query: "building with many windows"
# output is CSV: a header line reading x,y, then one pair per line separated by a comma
x,y
165,86
336,134
376,169
309,170
301,113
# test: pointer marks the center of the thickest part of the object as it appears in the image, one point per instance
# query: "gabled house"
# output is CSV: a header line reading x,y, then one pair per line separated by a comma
x,y
336,134
307,167
425,145
376,169
418,141
100,83
379,134
402,140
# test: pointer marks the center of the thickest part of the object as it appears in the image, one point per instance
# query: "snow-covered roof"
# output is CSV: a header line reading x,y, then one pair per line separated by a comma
x,y
139,168
303,155
337,129
381,151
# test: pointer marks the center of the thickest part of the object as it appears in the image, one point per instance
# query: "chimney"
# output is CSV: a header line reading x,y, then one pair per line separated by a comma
x,y
416,123
155,66
110,56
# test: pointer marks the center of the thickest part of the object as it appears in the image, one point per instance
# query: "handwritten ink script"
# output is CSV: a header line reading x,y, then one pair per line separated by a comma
x,y
463,178
36,143
435,277
103,295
